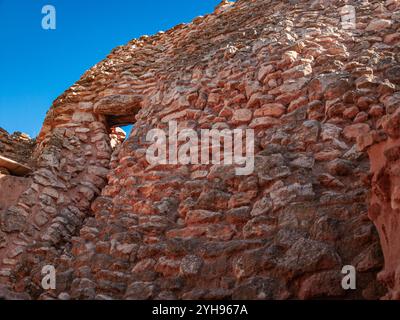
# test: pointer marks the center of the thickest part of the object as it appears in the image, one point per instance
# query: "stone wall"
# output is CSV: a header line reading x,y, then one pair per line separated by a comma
x,y
315,94
17,146
385,199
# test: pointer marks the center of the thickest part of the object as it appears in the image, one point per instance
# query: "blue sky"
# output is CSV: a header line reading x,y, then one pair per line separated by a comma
x,y
37,65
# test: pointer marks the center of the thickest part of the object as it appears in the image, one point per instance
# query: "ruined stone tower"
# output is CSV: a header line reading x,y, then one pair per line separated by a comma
x,y
323,99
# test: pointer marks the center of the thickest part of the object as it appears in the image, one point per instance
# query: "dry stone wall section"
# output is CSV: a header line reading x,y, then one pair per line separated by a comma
x,y
17,147
318,98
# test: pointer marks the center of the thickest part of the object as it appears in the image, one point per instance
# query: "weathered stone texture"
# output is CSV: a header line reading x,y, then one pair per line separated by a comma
x,y
317,95
17,146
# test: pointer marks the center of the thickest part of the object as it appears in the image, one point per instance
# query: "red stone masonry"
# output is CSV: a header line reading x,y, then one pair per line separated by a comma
x,y
17,146
323,102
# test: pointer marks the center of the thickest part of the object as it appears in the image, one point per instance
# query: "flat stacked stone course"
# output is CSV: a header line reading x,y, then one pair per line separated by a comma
x,y
319,98
17,147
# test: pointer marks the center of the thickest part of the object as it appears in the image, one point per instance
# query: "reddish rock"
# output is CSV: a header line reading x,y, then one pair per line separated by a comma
x,y
116,226
378,25
350,112
241,116
355,130
264,122
322,285
271,109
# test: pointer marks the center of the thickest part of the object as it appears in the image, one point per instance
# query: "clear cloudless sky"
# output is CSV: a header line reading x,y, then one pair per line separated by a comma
x,y
37,65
